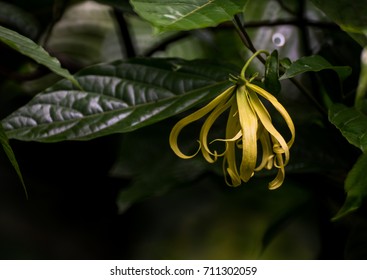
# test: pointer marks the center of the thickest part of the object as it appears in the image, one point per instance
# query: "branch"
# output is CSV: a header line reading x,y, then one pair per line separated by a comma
x,y
243,34
245,37
59,7
125,36
296,22
162,45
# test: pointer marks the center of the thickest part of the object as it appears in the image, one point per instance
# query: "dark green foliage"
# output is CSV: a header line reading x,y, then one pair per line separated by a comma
x,y
88,114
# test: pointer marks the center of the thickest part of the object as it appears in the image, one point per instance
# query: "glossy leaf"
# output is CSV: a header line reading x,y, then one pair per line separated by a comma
x,y
119,97
187,14
351,16
29,48
355,187
314,63
285,62
10,154
351,123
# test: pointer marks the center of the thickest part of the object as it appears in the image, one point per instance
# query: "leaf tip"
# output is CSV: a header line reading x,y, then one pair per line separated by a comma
x,y
351,204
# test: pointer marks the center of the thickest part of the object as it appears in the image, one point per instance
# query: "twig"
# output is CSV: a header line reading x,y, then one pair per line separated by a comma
x,y
59,8
243,34
309,95
296,22
125,36
162,45
245,37
303,28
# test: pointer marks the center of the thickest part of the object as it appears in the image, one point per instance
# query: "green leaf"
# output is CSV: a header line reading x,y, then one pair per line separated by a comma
x,y
285,62
314,63
351,16
355,187
351,123
10,154
118,97
29,48
187,14
271,82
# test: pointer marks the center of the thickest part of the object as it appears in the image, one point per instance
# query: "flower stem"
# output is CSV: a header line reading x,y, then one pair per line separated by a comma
x,y
249,45
256,53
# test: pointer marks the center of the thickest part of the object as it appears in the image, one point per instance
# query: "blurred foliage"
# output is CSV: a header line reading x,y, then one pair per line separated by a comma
x,y
123,194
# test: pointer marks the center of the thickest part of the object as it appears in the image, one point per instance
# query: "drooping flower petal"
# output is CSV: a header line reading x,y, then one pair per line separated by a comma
x,y
248,121
265,119
233,133
279,107
249,130
266,149
280,146
279,179
192,118
203,138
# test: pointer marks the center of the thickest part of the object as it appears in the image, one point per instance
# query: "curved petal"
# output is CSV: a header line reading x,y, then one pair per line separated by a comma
x,y
249,125
203,138
229,161
279,179
279,107
233,175
267,152
265,119
173,137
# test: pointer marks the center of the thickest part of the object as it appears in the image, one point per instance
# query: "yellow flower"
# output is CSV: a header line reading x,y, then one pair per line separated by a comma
x,y
249,129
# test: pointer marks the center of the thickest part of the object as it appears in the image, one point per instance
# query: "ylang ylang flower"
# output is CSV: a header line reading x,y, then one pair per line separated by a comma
x,y
250,132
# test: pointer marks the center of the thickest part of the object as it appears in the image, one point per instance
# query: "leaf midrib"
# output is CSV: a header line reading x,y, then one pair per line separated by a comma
x,y
13,131
191,12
